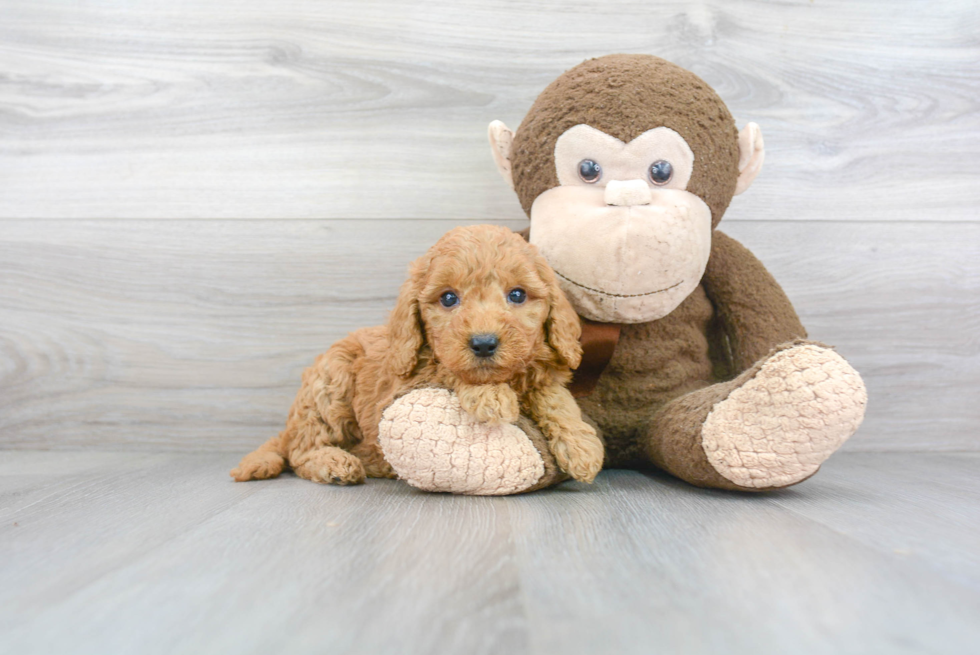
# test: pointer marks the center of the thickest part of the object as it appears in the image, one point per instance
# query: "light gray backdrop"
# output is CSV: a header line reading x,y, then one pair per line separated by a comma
x,y
197,197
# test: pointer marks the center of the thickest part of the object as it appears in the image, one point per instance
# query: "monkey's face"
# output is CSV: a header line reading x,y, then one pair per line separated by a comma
x,y
625,164
627,240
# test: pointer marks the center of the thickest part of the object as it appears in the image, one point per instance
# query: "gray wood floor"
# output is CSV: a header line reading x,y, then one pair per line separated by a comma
x,y
162,553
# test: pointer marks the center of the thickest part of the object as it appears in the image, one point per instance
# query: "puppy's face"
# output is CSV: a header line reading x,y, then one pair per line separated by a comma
x,y
487,305
484,313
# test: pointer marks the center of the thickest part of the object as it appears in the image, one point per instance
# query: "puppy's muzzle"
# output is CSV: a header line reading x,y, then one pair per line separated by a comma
x,y
484,345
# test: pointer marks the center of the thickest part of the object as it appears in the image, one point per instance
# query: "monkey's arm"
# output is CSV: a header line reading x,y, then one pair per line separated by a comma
x,y
754,310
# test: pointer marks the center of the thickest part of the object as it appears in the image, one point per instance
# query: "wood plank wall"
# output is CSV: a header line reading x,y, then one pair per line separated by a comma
x,y
198,197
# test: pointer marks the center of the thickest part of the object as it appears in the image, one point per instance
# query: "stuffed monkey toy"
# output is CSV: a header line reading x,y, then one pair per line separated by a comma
x,y
694,359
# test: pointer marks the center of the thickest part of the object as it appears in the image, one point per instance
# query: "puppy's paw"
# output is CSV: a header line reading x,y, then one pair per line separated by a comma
x,y
259,465
580,453
330,465
489,403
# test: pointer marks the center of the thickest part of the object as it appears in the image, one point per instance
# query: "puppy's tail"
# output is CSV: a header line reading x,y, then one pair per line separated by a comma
x,y
264,462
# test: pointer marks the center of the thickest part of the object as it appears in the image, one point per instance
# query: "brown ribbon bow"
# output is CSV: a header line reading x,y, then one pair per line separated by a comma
x,y
598,344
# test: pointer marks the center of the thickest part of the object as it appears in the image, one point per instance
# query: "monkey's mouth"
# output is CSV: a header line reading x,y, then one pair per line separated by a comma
x,y
616,295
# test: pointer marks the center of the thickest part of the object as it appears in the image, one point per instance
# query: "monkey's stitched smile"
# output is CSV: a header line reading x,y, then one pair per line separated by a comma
x,y
617,295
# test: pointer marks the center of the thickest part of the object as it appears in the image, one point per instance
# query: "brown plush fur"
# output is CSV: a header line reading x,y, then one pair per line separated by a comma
x,y
735,318
665,375
624,96
332,429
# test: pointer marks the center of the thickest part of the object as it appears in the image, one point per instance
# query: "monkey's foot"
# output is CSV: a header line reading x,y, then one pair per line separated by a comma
x,y
434,445
779,427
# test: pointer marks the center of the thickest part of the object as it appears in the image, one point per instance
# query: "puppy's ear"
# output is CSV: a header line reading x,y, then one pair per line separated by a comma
x,y
562,326
405,331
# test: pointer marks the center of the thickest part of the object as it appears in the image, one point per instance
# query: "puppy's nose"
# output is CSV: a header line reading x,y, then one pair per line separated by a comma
x,y
484,345
627,193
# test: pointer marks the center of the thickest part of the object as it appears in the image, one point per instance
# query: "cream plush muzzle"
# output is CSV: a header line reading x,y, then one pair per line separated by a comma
x,y
649,258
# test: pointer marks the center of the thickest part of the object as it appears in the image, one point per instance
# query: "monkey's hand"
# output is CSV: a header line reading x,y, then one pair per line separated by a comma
x,y
434,445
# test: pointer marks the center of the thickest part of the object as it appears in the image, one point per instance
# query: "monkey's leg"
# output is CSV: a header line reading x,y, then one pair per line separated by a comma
x,y
434,445
770,427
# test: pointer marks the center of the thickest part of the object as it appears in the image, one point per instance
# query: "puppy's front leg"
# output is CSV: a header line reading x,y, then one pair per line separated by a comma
x,y
574,443
489,403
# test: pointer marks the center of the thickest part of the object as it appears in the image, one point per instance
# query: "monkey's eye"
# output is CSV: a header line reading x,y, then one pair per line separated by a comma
x,y
661,172
517,296
589,171
449,299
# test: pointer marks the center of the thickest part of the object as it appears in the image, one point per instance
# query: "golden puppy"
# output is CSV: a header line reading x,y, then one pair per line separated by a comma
x,y
481,314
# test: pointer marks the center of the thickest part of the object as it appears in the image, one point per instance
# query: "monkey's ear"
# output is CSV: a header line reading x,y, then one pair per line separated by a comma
x,y
751,152
405,325
501,139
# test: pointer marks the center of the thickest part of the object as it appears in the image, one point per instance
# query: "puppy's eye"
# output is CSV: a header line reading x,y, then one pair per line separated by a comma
x,y
449,299
589,171
517,296
660,172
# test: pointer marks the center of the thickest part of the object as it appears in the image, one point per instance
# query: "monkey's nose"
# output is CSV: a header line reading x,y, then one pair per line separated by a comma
x,y
484,345
626,193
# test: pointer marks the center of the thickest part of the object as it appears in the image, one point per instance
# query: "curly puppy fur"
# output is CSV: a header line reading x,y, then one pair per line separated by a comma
x,y
331,433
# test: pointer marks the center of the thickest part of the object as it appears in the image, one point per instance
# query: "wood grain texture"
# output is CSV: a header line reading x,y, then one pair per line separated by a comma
x,y
193,334
378,109
162,553
923,507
